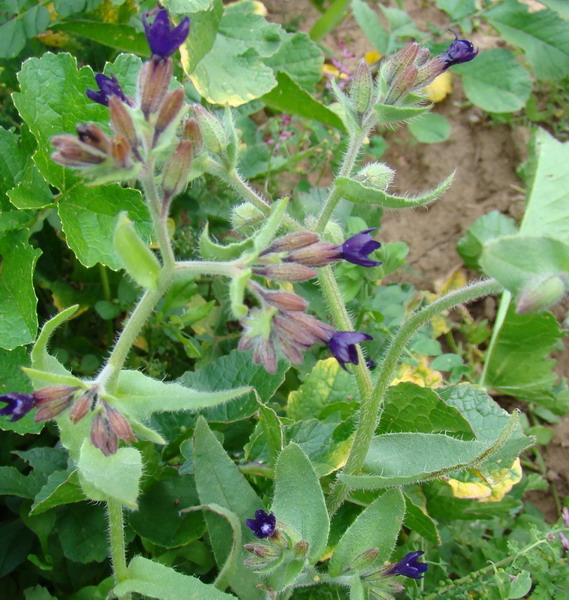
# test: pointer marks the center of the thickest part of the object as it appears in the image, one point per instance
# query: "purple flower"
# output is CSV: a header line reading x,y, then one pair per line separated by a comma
x,y
17,405
460,51
342,346
263,525
162,39
108,86
409,566
357,249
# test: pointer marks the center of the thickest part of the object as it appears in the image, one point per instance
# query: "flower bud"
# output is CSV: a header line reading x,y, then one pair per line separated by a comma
x,y
400,61
93,135
211,128
287,272
81,406
315,255
52,400
119,425
193,134
120,152
177,169
71,152
169,111
121,121
361,89
264,354
364,559
402,85
300,549
153,82
290,328
292,241
285,301
102,436
376,175
541,293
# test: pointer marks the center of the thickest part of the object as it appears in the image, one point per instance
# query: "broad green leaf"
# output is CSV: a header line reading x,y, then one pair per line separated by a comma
x,y
520,365
19,27
325,384
231,76
368,20
331,17
394,114
167,498
13,162
411,408
210,250
18,318
516,261
547,210
487,227
377,526
52,101
62,487
559,6
420,522
495,81
357,192
430,128
38,593
289,97
17,543
300,57
273,431
543,35
44,459
116,476
32,191
236,370
14,483
401,25
219,481
457,9
82,531
140,396
299,501
154,580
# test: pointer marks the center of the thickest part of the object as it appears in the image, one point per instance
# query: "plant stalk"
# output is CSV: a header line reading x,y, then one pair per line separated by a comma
x,y
117,541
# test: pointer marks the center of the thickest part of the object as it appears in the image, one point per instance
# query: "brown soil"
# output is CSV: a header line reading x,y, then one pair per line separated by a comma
x,y
485,156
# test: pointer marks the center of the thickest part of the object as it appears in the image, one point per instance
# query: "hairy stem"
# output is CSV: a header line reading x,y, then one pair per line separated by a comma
x,y
369,413
117,541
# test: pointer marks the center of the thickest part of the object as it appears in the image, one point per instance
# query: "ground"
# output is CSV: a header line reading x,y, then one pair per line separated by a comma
x,y
486,156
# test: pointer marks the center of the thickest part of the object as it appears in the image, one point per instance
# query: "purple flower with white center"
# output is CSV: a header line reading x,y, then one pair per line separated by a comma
x,y
342,345
409,566
162,38
17,405
263,525
108,86
357,249
460,51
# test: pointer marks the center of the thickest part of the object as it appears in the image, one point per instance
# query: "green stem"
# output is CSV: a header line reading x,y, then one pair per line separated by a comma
x,y
369,413
184,268
117,541
500,318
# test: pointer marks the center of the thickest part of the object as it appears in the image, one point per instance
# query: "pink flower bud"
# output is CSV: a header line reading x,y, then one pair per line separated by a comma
x,y
120,152
119,425
121,121
153,82
286,272
102,436
169,111
177,169
292,241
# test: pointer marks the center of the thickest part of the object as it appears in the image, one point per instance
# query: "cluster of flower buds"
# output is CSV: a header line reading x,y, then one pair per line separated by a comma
x,y
412,69
50,402
282,542
110,425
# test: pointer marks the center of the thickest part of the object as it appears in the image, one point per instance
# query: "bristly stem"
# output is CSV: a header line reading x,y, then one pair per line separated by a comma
x,y
117,542
369,413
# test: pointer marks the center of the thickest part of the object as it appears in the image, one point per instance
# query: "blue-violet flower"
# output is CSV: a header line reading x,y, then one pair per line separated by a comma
x,y
17,405
409,566
357,249
108,86
163,39
263,525
342,345
460,51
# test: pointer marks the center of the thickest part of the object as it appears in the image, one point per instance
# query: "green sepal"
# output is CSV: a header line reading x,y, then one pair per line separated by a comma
x,y
231,152
266,234
348,116
354,191
395,114
146,433
212,251
44,378
237,293
137,258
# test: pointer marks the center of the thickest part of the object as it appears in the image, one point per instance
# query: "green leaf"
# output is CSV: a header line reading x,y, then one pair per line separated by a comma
x,y
547,210
14,483
18,318
412,408
300,58
82,531
457,9
325,384
52,101
430,128
213,251
116,476
369,22
421,523
19,27
154,580
13,163
232,370
357,192
140,396
331,17
62,487
289,97
395,114
299,501
495,81
273,431
167,498
485,228
219,481
377,526
543,35
559,6
520,585
520,366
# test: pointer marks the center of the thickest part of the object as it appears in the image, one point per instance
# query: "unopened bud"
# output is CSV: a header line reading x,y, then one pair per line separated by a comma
x,y
292,241
93,135
121,121
193,134
81,406
287,272
541,293
212,130
102,436
285,301
263,550
401,86
71,152
153,81
364,559
428,73
300,548
376,175
245,216
52,400
289,328
319,329
361,89
120,152
315,255
169,111
119,425
264,354
177,169
401,60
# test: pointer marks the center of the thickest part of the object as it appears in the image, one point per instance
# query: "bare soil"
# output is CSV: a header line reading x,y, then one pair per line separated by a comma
x,y
485,155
